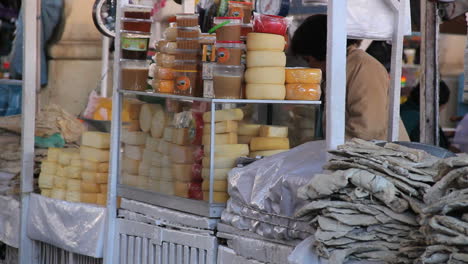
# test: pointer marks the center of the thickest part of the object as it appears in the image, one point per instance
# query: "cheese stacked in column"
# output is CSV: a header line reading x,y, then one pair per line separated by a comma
x,y
49,170
272,140
303,84
266,61
161,72
226,151
94,168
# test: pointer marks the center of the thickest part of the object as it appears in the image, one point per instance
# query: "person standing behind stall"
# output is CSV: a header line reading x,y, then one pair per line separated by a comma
x,y
367,81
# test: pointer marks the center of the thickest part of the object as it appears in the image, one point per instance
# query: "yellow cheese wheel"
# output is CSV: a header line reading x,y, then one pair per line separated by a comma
x,y
60,182
273,131
73,172
220,139
58,194
74,185
168,132
156,159
229,150
49,167
303,75
101,199
265,75
244,139
75,162
269,143
218,186
182,154
181,189
182,172
221,127
103,188
153,185
134,137
219,174
220,162
87,187
66,156
46,181
94,154
266,153
249,129
218,197
53,154
307,92
128,179
146,114
90,198
224,115
266,59
159,122
73,196
94,177
267,42
165,147
96,139
265,91
46,192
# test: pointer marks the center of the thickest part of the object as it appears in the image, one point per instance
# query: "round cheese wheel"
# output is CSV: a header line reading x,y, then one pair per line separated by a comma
x,y
299,91
265,75
74,185
58,194
60,182
46,192
46,181
73,196
303,75
163,73
266,59
158,123
165,86
146,114
265,91
263,41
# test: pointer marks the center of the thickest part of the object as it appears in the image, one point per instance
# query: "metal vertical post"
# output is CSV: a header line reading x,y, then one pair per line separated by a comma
x,y
111,226
429,88
395,74
31,77
336,73
105,65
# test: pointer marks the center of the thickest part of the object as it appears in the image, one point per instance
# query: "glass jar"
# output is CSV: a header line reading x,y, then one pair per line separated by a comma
x,y
134,46
230,31
229,52
134,75
186,82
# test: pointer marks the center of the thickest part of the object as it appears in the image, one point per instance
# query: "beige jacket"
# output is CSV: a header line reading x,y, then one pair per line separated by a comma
x,y
367,100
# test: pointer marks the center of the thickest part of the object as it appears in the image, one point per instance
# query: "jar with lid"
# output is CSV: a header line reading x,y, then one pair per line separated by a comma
x,y
139,26
229,28
134,75
229,52
136,12
134,46
187,20
186,82
188,32
227,81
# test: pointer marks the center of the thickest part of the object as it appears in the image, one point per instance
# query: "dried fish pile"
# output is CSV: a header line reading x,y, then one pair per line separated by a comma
x,y
365,207
444,220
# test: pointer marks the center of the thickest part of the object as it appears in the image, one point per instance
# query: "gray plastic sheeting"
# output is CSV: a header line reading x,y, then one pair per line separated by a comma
x,y
264,193
9,221
75,227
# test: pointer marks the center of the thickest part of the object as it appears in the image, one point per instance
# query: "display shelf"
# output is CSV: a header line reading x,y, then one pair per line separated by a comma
x,y
220,101
197,207
11,82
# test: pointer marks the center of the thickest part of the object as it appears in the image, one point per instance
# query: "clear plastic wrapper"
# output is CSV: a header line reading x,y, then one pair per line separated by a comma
x,y
271,24
170,33
164,60
169,47
302,91
10,219
303,75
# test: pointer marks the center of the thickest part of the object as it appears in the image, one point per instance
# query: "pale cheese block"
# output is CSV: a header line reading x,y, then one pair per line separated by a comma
x,y
155,173
94,177
134,152
266,42
88,187
60,183
218,197
221,127
273,131
219,174
266,153
152,144
182,154
49,167
220,162
144,169
130,165
93,154
224,115
142,182
134,108
166,162
128,179
75,162
46,192
266,59
66,156
74,185
303,76
132,126
134,137
58,194
265,91
166,174
218,186
168,132
103,188
75,155
166,187
269,143
153,185
46,181
146,115
265,75
159,121
90,198
249,129
165,147
220,139
156,159
87,165
244,139
181,189
73,172
101,199
53,154
182,172
96,139
61,171
73,196
229,150
181,136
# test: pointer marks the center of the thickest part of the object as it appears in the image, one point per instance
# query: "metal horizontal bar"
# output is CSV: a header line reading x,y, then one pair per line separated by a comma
x,y
11,82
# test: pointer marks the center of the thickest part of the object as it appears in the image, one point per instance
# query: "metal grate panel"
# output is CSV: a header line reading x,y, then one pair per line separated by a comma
x,y
47,254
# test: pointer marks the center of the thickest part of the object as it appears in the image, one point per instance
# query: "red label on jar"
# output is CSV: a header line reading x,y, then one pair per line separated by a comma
x,y
223,55
183,83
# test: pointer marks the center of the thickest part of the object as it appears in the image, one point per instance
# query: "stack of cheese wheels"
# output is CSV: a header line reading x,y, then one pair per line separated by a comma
x,y
266,61
49,170
226,151
303,84
94,167
247,132
272,140
162,70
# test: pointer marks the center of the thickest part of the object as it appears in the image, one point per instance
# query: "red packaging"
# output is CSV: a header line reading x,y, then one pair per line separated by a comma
x,y
270,24
195,191
196,128
197,172
198,154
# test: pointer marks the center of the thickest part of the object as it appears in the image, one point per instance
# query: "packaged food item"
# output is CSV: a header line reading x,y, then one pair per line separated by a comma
x,y
164,86
165,60
303,75
188,32
188,43
134,46
139,13
209,53
187,54
228,28
207,70
302,91
169,47
134,75
227,81
186,82
270,24
170,34
208,89
186,65
163,73
229,52
207,39
265,91
240,9
137,25
187,20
